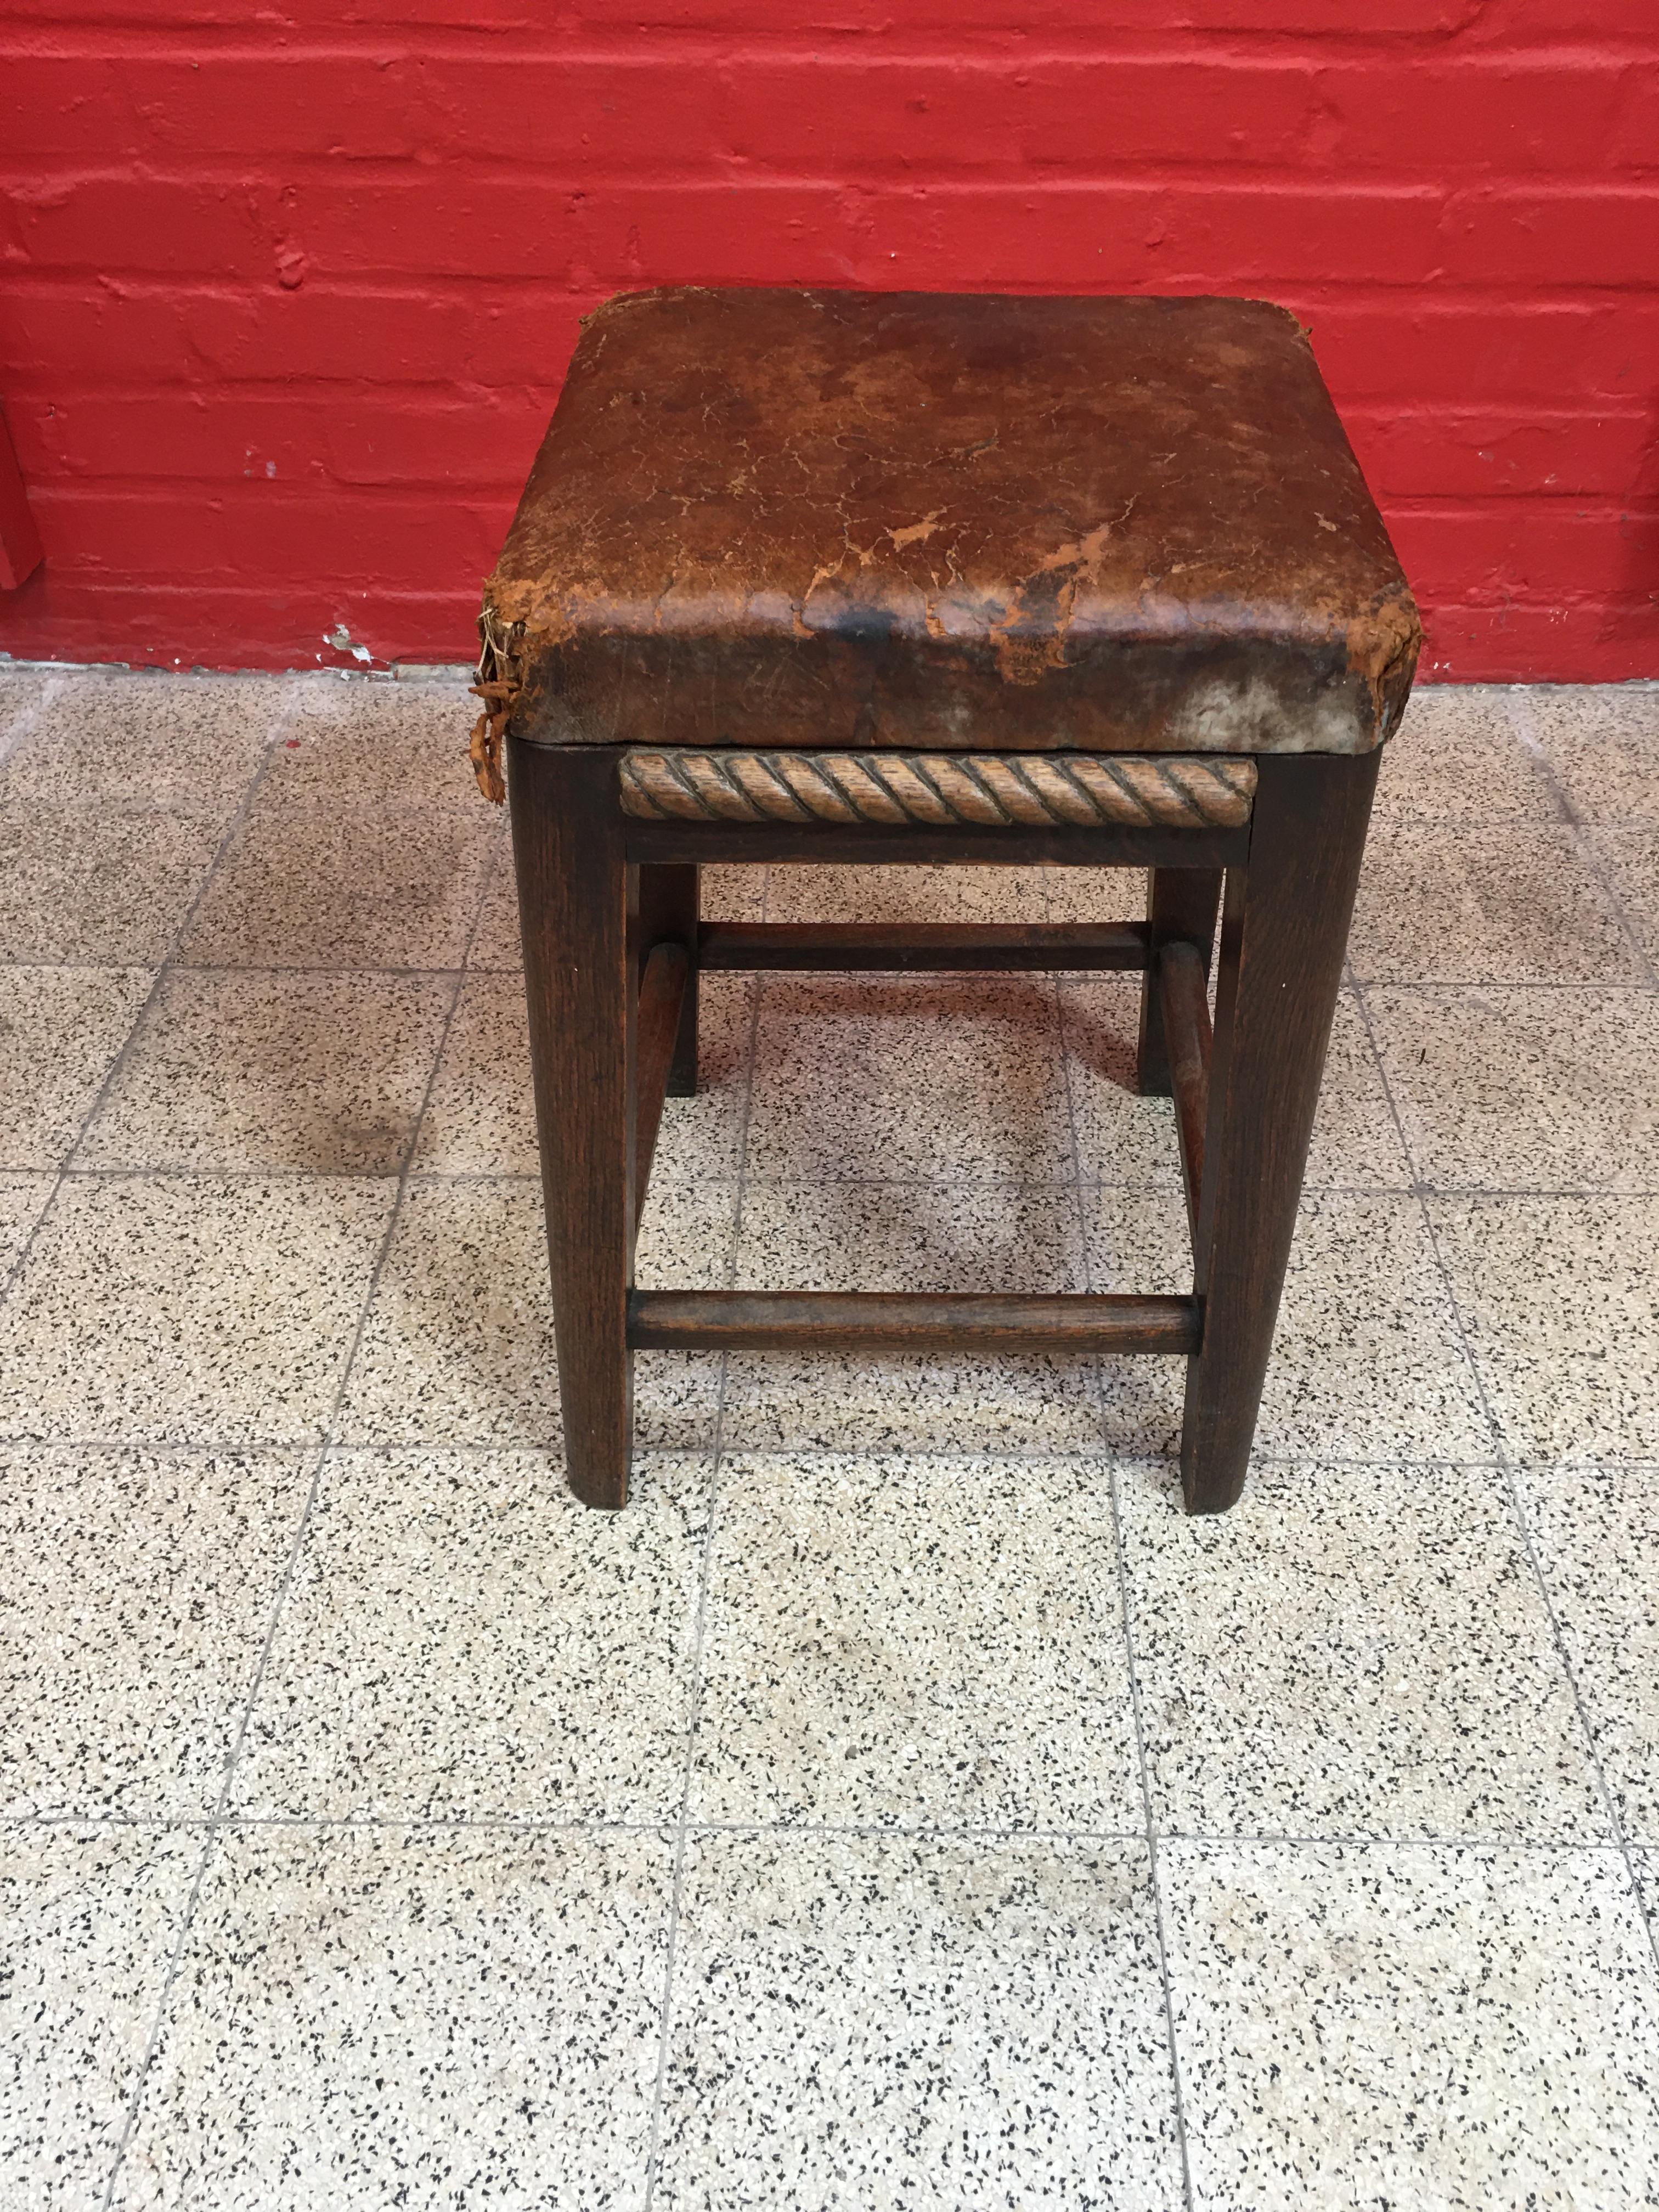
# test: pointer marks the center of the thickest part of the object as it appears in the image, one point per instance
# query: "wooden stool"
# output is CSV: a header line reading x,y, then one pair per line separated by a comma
x,y
846,577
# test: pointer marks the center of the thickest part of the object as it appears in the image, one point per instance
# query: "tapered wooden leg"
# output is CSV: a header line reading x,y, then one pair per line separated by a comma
x,y
668,912
1284,931
1180,903
572,914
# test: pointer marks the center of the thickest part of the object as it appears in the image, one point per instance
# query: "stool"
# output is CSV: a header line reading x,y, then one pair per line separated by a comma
x,y
832,576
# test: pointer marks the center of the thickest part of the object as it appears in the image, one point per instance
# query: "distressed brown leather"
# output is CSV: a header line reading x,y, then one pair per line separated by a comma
x,y
912,520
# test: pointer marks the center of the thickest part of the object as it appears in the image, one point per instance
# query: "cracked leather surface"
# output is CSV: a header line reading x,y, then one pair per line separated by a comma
x,y
809,517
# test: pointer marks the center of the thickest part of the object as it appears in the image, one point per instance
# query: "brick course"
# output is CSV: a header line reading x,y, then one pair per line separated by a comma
x,y
286,298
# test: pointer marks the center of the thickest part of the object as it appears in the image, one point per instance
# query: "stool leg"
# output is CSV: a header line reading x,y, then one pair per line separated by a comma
x,y
1284,932
668,913
1180,903
573,914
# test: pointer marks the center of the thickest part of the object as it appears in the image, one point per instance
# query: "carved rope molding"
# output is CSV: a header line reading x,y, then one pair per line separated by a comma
x,y
1032,790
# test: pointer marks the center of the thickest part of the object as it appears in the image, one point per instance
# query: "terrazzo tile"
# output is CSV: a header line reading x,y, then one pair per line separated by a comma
x,y
915,1237
1525,1090
463,1640
457,1344
88,1918
410,2018
1602,742
183,1310
1560,1300
1350,1651
188,743
727,894
23,692
22,1201
235,1069
138,1591
1125,1139
1137,1240
1097,894
60,1030
905,893
94,885
1367,1362
481,1117
1630,860
303,885
1595,1531
1367,2025
370,742
1458,757
1483,903
916,1644
958,1078
899,2021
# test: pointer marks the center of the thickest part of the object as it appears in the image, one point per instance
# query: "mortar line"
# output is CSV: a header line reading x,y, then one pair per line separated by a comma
x,y
330,1429
238,815
694,1715
1508,1469
1149,1831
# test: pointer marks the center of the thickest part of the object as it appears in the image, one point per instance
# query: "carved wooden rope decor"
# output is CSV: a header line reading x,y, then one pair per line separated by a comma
x,y
1032,790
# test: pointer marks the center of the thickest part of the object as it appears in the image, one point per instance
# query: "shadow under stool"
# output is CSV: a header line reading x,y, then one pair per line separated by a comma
x,y
837,576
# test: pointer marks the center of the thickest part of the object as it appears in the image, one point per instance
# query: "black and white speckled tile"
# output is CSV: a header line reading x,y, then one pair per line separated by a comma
x,y
1459,756
98,885
1388,2025
1595,1530
727,894
945,1079
386,744
1525,1090
1602,741
23,1201
1560,1298
292,1072
186,743
902,2022
404,2017
60,1030
139,1587
189,1308
915,1643
481,1117
1352,1651
89,1920
1367,1362
463,1640
458,1344
1482,903
1630,860
906,894
915,1237
308,883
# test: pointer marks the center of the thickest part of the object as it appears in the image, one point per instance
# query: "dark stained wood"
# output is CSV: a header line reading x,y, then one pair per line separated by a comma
x,y
1186,1015
573,907
1181,904
754,843
666,906
892,1322
1285,927
662,991
946,946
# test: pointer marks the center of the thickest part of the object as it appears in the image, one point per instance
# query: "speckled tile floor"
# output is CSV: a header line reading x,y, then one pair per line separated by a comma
x,y
900,1805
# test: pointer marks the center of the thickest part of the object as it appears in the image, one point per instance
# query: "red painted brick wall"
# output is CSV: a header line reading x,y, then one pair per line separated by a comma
x,y
287,293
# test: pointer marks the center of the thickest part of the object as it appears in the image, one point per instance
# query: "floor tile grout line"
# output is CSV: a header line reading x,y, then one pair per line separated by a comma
x,y
1523,1527
659,2093
239,814
1149,1831
1526,730
322,1449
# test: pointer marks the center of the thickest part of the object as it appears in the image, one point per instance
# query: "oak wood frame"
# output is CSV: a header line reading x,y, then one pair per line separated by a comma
x,y
612,943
